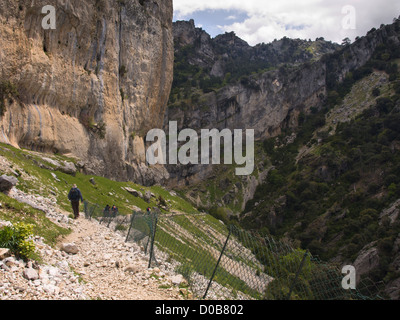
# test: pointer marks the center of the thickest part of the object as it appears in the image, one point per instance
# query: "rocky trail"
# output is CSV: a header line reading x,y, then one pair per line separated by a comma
x,y
91,263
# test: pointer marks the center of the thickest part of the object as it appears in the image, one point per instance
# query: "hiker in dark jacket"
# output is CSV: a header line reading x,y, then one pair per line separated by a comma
x,y
114,210
74,196
106,211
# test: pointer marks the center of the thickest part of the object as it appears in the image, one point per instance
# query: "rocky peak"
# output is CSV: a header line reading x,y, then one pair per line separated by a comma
x,y
185,32
232,40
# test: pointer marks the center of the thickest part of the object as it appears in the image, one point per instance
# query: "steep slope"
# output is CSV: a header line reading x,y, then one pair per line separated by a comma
x,y
225,83
227,57
330,153
334,185
92,87
265,88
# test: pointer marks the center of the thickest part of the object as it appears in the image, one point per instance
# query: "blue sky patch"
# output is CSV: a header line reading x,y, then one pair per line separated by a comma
x,y
210,19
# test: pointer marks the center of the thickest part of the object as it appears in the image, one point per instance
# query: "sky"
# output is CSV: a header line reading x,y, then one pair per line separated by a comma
x,y
257,21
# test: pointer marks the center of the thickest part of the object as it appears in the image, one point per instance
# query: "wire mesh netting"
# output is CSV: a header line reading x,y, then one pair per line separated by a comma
x,y
227,262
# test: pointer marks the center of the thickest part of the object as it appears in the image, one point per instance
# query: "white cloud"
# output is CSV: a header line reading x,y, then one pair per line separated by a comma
x,y
231,18
268,20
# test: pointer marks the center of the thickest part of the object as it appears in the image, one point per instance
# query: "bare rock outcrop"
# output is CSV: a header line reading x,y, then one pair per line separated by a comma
x,y
91,88
7,183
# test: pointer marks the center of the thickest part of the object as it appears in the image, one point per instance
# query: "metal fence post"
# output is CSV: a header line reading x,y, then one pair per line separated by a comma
x,y
297,274
219,260
91,213
110,218
152,238
130,226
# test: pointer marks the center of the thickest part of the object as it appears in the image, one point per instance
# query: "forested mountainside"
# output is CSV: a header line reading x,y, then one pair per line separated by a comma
x,y
225,83
208,63
335,187
331,162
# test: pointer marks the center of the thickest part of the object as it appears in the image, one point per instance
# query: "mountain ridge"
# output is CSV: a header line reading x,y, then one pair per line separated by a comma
x,y
267,101
319,152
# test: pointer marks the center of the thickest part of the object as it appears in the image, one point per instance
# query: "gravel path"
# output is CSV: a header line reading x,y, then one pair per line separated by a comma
x,y
100,265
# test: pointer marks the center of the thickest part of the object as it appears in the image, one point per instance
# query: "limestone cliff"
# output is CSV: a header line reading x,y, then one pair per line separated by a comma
x,y
92,87
267,95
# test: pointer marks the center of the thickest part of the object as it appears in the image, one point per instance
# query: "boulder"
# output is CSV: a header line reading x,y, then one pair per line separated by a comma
x,y
52,161
68,168
5,223
51,289
134,192
131,269
55,176
31,274
4,253
177,279
69,248
147,196
367,260
10,262
7,183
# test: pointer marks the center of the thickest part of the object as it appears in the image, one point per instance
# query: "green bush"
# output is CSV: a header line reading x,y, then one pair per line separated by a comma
x,y
16,238
220,214
7,91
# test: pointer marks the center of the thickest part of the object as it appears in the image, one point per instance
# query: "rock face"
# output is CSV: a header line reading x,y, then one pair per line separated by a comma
x,y
265,104
6,183
367,260
94,86
267,101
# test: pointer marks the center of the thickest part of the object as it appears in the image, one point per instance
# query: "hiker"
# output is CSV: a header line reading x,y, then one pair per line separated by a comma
x,y
106,211
74,196
148,210
114,210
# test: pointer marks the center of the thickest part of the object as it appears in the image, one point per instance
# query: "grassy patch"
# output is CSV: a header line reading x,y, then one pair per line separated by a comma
x,y
14,211
36,176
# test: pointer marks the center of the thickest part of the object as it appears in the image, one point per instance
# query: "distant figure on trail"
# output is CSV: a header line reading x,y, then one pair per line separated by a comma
x,y
74,196
148,210
106,211
114,210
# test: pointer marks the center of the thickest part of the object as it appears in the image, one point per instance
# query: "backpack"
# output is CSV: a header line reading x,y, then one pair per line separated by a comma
x,y
74,194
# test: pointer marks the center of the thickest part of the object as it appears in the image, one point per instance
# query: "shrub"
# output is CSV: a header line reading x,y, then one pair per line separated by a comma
x,y
7,91
220,214
16,238
123,71
392,190
376,92
162,202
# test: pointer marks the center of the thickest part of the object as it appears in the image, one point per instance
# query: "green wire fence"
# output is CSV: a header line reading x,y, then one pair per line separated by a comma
x,y
227,262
